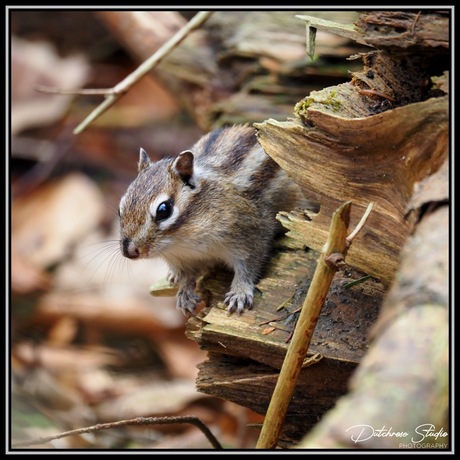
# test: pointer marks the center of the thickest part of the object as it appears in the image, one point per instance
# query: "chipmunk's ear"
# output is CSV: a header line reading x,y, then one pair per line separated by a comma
x,y
144,160
183,166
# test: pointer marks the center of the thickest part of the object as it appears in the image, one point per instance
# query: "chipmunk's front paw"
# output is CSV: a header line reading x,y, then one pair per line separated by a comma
x,y
239,301
173,277
187,300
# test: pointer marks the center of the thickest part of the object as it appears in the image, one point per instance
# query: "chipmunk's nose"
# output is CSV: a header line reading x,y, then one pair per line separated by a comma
x,y
128,248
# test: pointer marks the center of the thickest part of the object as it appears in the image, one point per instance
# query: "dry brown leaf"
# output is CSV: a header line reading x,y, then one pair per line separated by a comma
x,y
36,64
26,277
47,223
151,399
64,360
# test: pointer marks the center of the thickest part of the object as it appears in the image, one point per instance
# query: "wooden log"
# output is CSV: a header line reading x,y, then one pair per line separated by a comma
x,y
403,381
372,139
421,29
246,352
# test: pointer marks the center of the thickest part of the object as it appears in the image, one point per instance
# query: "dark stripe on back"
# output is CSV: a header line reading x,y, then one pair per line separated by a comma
x,y
210,140
226,147
237,150
261,178
243,144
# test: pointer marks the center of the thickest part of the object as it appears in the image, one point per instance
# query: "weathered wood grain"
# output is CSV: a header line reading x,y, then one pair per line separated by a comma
x,y
373,159
247,351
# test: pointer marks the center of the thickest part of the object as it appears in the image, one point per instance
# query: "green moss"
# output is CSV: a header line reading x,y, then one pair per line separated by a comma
x,y
327,98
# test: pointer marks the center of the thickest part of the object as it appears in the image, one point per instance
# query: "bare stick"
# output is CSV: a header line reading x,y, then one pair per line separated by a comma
x,y
117,91
333,254
360,225
135,421
74,92
313,24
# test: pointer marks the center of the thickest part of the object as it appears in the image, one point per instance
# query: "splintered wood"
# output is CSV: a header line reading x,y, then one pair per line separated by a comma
x,y
375,159
247,351
371,139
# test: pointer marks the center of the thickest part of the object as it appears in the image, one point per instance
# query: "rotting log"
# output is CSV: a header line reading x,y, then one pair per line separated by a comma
x,y
247,351
403,381
375,159
371,139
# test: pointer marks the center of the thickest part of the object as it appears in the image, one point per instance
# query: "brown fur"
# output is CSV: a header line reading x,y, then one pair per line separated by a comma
x,y
222,203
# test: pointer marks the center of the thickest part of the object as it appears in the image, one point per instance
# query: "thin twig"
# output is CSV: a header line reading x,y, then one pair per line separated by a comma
x,y
135,421
74,92
121,88
415,22
344,30
298,347
360,225
336,245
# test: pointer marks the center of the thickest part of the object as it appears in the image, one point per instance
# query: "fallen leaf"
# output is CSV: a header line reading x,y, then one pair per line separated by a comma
x,y
152,399
26,278
48,222
35,64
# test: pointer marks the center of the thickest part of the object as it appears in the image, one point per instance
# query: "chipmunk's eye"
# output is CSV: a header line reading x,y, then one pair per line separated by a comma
x,y
164,210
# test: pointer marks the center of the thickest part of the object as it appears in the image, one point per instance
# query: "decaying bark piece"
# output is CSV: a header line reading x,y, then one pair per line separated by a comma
x,y
374,159
403,381
415,30
371,139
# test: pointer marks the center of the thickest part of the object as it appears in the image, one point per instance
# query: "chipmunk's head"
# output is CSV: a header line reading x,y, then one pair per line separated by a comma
x,y
155,205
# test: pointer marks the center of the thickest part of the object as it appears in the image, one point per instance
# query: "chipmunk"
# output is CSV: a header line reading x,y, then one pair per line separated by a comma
x,y
215,203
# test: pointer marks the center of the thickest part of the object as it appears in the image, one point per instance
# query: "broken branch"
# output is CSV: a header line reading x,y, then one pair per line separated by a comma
x,y
113,94
135,421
